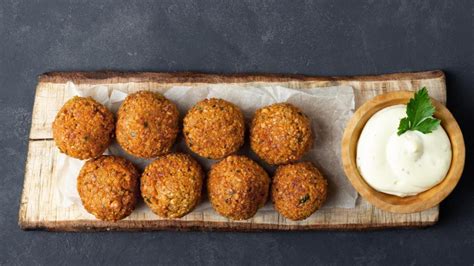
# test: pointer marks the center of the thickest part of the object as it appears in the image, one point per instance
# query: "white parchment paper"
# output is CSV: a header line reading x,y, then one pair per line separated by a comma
x,y
329,109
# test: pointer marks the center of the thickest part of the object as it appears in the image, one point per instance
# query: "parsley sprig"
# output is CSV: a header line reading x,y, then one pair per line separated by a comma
x,y
420,112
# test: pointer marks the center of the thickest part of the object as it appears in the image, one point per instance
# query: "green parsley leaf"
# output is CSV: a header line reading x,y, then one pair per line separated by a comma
x,y
403,126
428,125
420,112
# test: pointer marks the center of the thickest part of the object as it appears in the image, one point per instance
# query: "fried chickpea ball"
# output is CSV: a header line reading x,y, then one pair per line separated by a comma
x,y
108,187
171,185
83,128
147,124
214,128
298,190
237,187
280,133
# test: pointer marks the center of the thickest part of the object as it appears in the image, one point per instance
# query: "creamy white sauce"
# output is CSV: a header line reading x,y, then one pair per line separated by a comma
x,y
401,165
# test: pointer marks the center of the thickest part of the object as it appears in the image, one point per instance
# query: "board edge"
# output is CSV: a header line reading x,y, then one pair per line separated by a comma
x,y
106,76
164,225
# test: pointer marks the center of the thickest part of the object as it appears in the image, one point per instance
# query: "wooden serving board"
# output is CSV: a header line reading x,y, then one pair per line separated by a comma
x,y
40,208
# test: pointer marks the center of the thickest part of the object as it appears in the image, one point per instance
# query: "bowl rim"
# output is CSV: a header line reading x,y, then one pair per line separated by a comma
x,y
424,200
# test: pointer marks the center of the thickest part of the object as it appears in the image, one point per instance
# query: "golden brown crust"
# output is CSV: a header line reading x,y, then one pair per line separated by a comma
x,y
108,187
237,187
83,128
147,124
214,128
171,185
298,190
280,133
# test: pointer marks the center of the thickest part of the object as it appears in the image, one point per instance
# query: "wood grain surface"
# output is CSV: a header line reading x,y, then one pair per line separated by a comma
x,y
40,209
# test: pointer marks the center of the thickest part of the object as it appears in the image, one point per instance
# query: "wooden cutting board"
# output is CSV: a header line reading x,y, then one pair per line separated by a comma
x,y
40,208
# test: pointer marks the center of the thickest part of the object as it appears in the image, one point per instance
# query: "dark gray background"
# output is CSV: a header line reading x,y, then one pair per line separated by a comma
x,y
310,37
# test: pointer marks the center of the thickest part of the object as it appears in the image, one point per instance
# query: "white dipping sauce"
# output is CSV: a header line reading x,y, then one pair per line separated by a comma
x,y
401,165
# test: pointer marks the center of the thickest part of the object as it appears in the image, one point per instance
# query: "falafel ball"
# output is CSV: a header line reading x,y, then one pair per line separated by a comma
x,y
147,124
171,185
298,190
280,133
214,128
108,187
237,187
83,128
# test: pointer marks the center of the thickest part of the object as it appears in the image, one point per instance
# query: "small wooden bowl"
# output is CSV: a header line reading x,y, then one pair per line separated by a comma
x,y
391,203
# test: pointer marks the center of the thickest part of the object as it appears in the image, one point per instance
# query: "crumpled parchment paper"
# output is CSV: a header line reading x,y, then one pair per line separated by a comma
x,y
329,109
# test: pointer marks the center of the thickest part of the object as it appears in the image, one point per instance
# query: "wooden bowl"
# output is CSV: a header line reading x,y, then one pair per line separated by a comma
x,y
391,203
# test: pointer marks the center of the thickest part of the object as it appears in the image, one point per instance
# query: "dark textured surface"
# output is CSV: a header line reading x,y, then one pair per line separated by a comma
x,y
310,37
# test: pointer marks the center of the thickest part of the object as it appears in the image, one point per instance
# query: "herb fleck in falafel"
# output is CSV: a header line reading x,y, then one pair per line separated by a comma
x,y
147,124
298,190
280,133
237,187
83,128
214,128
171,185
108,187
